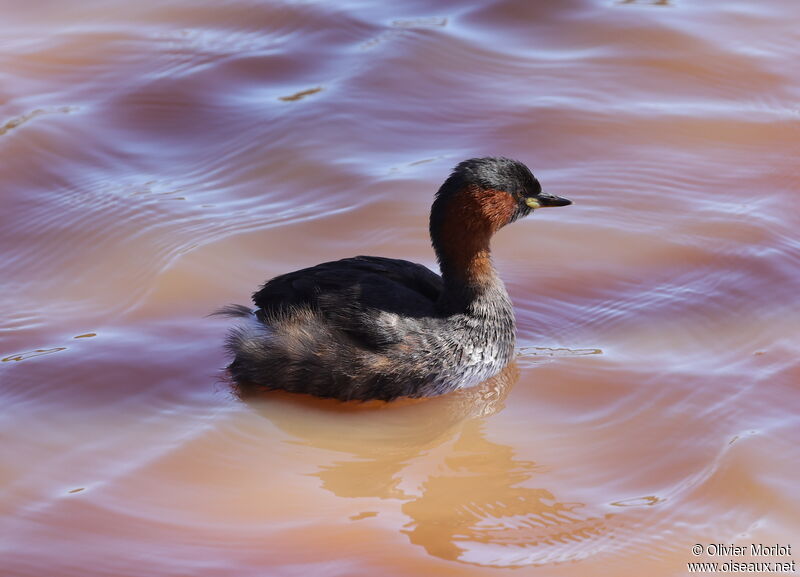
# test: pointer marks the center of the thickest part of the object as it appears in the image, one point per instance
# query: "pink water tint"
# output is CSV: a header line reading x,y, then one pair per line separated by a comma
x,y
161,161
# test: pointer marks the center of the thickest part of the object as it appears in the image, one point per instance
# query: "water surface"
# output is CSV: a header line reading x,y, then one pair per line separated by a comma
x,y
160,160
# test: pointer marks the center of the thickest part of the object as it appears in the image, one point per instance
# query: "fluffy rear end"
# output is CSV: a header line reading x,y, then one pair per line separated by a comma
x,y
296,352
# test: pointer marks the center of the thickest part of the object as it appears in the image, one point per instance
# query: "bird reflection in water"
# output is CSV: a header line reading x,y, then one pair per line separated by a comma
x,y
463,493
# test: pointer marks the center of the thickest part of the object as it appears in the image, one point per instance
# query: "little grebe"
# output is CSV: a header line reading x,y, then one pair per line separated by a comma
x,y
380,328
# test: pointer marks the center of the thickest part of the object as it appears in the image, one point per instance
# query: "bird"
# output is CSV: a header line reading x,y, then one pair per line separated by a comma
x,y
377,328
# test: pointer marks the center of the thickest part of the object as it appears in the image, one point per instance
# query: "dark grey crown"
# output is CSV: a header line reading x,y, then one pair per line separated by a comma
x,y
497,173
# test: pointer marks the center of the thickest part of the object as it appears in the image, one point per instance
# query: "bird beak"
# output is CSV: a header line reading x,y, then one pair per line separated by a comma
x,y
546,199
